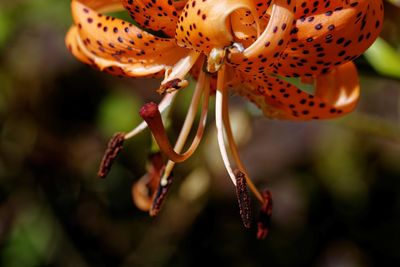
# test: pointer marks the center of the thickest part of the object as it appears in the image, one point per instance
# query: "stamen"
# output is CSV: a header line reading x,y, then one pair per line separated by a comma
x,y
159,196
243,198
172,86
145,188
114,147
264,219
164,104
219,122
233,146
203,81
179,71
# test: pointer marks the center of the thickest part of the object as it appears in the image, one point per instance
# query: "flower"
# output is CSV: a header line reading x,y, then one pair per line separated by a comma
x,y
249,46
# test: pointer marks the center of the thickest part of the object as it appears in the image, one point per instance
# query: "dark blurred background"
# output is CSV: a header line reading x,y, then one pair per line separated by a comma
x,y
336,184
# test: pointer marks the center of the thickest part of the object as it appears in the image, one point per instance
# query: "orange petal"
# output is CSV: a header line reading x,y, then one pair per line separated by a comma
x,y
159,15
268,47
336,94
120,47
321,41
244,27
73,46
103,6
262,7
204,25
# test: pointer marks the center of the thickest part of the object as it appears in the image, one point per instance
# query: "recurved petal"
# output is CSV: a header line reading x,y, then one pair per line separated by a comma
x,y
119,47
244,27
159,15
262,7
260,55
323,40
103,5
336,93
73,47
204,25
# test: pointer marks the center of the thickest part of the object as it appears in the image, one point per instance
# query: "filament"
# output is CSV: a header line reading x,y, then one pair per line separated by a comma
x,y
233,146
219,122
189,122
151,115
182,67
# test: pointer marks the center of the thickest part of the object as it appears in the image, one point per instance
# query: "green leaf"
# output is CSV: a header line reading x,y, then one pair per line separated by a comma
x,y
384,58
118,112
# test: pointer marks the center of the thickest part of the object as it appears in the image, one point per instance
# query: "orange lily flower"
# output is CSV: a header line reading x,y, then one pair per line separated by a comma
x,y
248,46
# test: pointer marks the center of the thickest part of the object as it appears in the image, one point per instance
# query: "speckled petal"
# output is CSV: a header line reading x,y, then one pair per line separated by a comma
x,y
74,48
157,15
204,25
336,94
321,41
260,56
262,7
119,47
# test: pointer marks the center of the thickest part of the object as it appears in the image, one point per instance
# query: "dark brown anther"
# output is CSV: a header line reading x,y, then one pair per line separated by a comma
x,y
114,147
172,85
160,195
243,197
145,188
264,219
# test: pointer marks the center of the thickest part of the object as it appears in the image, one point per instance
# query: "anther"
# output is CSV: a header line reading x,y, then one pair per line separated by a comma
x,y
243,197
144,189
160,195
114,147
172,86
264,219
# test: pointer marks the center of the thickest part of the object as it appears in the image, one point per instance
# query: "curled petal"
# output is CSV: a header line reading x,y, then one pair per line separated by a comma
x,y
339,34
260,55
244,27
262,7
336,94
103,5
73,46
118,46
159,15
204,25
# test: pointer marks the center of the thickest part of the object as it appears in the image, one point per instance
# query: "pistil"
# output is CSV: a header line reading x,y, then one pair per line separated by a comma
x,y
150,113
203,81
